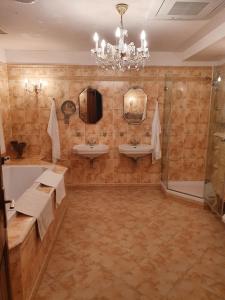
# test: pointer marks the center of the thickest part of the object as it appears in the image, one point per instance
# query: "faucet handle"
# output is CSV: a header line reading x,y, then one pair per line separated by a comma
x,y
134,141
91,141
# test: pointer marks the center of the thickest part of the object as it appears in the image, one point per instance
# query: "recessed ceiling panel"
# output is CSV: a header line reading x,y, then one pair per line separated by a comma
x,y
188,10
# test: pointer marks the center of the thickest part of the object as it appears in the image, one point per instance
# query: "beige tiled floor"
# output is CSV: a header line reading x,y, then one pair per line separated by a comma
x,y
135,244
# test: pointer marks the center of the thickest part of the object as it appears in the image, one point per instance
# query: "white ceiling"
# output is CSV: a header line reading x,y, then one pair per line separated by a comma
x,y
68,26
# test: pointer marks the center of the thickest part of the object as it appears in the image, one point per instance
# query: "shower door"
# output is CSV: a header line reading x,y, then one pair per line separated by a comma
x,y
215,169
186,116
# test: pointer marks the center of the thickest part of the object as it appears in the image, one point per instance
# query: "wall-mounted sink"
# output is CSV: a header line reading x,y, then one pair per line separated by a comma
x,y
135,151
91,151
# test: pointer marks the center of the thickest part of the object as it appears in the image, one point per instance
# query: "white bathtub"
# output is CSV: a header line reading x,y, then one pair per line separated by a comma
x,y
17,179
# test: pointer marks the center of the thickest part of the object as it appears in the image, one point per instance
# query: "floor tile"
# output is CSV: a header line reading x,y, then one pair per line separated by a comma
x,y
121,244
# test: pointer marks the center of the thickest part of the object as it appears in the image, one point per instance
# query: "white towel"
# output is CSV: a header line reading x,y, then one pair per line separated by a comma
x,y
53,132
156,131
2,138
56,181
37,204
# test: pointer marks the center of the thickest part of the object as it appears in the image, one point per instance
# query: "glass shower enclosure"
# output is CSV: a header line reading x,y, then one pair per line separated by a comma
x,y
214,191
185,130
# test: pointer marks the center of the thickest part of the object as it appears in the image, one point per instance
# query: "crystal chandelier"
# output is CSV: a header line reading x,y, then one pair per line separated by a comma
x,y
121,56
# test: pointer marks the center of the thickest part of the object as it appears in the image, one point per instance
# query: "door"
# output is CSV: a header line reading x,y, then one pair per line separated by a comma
x,y
4,269
214,189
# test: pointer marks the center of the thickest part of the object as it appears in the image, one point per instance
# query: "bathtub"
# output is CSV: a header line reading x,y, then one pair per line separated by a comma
x,y
17,179
23,240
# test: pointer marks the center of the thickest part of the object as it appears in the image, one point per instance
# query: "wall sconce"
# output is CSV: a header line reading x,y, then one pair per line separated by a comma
x,y
34,87
216,82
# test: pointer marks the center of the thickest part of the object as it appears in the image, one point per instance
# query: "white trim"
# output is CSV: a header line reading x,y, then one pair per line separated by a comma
x,y
208,40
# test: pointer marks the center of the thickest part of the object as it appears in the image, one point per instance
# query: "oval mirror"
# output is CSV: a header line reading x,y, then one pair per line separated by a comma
x,y
135,106
90,106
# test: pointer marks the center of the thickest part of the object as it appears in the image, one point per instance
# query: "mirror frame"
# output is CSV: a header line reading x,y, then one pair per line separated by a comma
x,y
146,102
101,107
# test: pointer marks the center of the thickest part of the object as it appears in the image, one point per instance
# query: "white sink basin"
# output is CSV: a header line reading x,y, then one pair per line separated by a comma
x,y
91,151
135,152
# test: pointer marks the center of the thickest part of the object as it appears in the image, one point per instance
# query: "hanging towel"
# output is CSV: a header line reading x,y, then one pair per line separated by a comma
x,y
2,139
156,131
53,132
37,204
56,181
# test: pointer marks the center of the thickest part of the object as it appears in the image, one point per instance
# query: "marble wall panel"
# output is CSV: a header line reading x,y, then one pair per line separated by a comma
x,y
30,115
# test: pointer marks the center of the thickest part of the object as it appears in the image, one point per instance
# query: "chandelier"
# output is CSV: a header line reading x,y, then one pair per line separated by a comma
x,y
121,56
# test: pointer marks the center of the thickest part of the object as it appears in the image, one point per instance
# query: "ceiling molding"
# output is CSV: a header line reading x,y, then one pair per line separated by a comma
x,y
85,58
220,63
208,40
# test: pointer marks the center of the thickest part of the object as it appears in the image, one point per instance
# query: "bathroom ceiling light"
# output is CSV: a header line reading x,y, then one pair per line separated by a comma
x,y
121,56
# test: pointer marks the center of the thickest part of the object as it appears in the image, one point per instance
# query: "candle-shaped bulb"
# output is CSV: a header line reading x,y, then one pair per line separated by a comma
x,y
145,44
103,44
26,83
40,84
117,32
95,37
125,48
219,78
143,35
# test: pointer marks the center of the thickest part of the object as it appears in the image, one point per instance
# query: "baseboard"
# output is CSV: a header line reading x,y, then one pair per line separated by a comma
x,y
115,185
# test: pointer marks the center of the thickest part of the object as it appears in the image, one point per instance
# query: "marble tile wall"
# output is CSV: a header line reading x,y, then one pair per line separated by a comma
x,y
5,104
30,117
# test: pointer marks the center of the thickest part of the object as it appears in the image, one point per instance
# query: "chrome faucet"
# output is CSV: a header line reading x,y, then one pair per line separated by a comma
x,y
134,142
91,142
